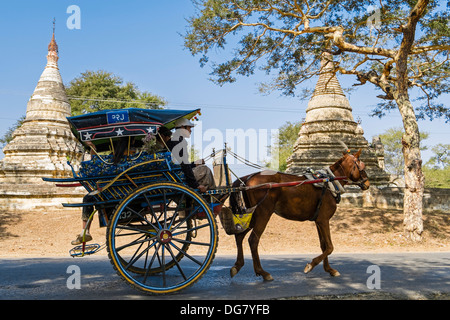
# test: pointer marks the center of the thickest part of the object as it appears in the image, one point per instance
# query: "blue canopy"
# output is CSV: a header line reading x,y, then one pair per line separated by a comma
x,y
100,126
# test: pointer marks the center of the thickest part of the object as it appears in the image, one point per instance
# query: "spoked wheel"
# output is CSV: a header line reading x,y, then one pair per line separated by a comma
x,y
151,231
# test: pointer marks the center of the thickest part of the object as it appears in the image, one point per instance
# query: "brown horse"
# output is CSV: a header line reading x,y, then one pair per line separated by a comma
x,y
297,203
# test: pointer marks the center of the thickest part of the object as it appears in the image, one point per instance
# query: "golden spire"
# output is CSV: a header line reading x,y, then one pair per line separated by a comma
x,y
52,45
52,56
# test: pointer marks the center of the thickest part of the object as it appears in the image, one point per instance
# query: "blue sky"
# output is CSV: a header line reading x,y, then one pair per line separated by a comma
x,y
140,41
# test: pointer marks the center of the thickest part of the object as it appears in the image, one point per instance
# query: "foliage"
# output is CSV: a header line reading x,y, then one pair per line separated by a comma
x,y
98,90
437,178
287,135
393,44
392,141
437,169
441,158
8,136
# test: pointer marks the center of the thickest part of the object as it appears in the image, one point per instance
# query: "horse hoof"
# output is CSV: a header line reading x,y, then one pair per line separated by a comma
x,y
335,273
268,278
233,271
308,268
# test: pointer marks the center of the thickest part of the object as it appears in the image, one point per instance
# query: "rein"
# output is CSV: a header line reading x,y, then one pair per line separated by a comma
x,y
271,185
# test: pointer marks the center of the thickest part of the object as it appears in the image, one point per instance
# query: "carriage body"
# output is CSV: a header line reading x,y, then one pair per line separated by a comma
x,y
152,216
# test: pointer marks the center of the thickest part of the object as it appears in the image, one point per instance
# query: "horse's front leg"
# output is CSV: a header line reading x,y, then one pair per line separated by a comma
x,y
323,246
240,253
323,229
253,240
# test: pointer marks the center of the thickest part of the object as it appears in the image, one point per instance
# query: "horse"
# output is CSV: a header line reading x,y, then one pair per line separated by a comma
x,y
299,203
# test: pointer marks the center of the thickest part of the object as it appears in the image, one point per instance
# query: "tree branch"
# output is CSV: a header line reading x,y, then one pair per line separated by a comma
x,y
419,50
338,39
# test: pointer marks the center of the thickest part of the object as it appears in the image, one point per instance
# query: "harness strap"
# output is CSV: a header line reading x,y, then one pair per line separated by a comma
x,y
240,199
316,214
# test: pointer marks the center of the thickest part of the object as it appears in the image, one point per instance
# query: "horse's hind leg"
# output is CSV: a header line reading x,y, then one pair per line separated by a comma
x,y
323,229
330,270
240,253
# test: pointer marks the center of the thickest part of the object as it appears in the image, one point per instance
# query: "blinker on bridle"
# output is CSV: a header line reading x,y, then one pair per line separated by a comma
x,y
359,183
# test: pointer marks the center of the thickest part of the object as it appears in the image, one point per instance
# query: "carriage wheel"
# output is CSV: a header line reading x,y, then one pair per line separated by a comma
x,y
150,232
168,265
158,268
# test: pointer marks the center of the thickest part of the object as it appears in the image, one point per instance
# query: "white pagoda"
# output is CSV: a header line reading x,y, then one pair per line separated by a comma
x,y
328,126
41,145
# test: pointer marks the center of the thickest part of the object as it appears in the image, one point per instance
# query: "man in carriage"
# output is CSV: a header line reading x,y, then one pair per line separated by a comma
x,y
197,174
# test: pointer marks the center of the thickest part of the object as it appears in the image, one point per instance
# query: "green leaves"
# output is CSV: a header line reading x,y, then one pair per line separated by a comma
x,y
288,134
8,136
285,39
392,141
99,90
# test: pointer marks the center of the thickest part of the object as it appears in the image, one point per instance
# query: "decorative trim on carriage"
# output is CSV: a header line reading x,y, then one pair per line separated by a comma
x,y
119,130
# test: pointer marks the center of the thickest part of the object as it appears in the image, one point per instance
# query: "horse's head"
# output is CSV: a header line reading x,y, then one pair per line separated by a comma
x,y
354,169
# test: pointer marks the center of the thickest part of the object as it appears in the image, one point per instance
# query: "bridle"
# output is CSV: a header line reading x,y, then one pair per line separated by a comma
x,y
356,163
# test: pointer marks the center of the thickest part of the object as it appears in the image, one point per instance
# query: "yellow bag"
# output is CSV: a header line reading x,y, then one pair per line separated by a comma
x,y
233,224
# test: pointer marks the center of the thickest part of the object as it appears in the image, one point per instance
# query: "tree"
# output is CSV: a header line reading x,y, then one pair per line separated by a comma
x,y
392,141
400,47
441,158
8,136
436,177
287,135
99,90
437,169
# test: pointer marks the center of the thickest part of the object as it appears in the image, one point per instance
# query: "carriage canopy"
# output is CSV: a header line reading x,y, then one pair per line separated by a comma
x,y
101,126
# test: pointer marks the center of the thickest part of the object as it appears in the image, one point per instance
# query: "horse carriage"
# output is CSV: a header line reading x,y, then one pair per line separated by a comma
x,y
161,234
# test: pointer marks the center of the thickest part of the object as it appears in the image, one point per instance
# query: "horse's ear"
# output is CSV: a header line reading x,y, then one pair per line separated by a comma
x,y
358,153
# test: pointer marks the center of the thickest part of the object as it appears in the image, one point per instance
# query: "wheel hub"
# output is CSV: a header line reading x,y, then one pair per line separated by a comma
x,y
164,236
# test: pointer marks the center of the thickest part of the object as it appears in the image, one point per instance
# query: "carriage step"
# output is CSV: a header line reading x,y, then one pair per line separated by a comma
x,y
84,249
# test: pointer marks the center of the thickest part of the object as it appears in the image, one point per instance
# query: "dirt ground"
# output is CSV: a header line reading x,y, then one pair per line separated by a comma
x,y
48,234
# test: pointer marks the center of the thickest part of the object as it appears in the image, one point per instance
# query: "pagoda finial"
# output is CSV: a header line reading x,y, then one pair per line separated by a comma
x,y
52,45
52,56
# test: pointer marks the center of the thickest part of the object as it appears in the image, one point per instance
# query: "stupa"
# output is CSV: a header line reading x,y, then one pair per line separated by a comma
x,y
41,145
329,127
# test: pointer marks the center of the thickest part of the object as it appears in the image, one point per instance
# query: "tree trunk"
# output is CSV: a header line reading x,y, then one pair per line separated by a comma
x,y
412,203
414,183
